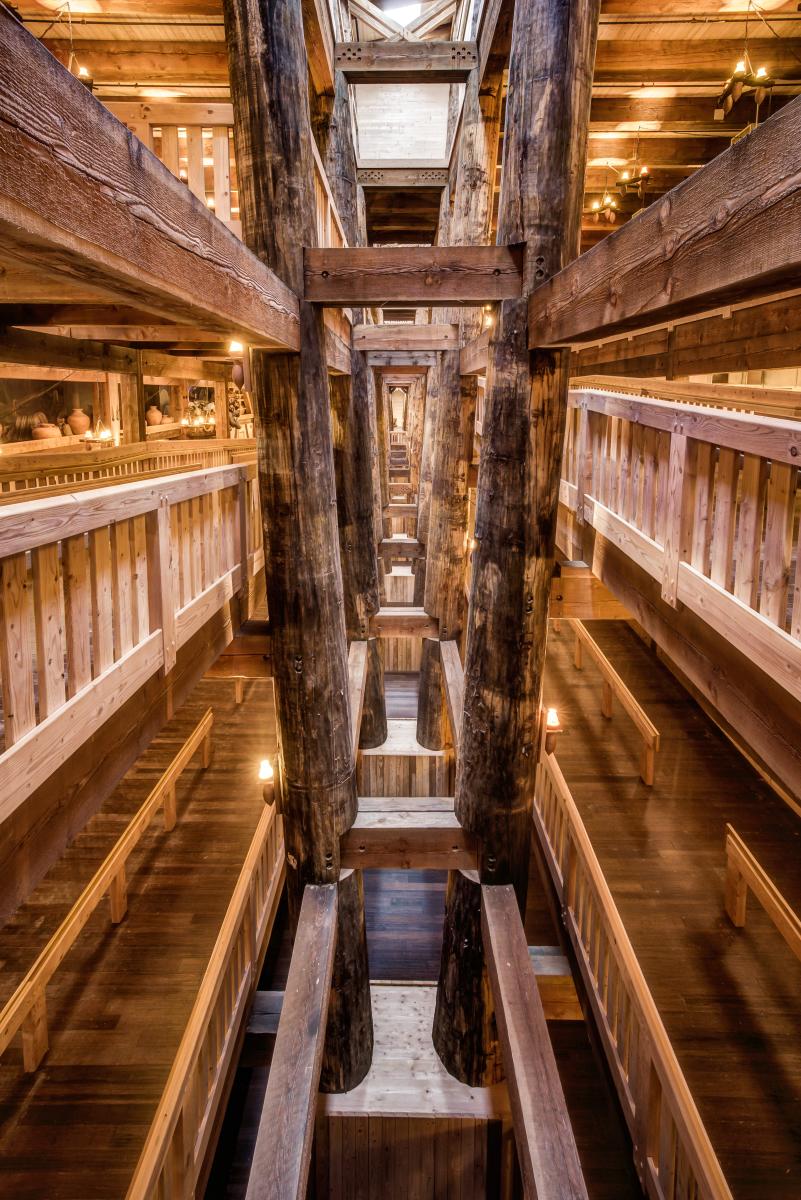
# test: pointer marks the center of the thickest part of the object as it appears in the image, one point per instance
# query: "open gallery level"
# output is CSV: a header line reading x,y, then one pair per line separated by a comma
x,y
400,600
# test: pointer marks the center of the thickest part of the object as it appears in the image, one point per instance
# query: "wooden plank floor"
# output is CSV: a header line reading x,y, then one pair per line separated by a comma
x,y
730,1000
119,1003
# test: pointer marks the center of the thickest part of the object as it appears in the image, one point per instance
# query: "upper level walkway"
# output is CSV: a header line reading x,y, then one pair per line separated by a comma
x,y
729,998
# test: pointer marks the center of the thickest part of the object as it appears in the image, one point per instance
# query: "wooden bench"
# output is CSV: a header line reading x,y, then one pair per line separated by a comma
x,y
27,1008
615,688
744,872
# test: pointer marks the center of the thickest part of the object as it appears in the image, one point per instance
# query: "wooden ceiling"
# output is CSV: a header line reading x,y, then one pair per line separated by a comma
x,y
660,66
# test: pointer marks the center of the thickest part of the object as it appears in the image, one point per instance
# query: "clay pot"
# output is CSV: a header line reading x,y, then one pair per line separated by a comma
x,y
154,416
78,421
238,374
40,432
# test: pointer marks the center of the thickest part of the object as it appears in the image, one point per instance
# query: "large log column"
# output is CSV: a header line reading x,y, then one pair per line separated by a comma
x,y
454,419
547,113
268,69
354,426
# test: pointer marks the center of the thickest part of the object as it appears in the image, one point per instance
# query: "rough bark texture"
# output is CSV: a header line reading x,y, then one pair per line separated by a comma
x,y
268,69
354,424
451,453
550,79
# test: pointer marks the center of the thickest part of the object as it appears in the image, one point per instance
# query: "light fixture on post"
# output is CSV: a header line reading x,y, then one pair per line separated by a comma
x,y
267,778
553,728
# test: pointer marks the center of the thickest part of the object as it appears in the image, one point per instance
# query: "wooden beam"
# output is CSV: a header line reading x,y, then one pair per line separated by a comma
x,y
577,593
400,622
95,208
473,357
494,34
752,338
357,682
418,275
750,248
377,20
683,60
319,43
400,363
281,1156
546,1147
401,547
48,350
116,63
437,13
405,62
405,337
379,176
453,686
407,837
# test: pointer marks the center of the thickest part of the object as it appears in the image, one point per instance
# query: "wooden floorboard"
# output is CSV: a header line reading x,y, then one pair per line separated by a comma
x,y
119,1003
730,999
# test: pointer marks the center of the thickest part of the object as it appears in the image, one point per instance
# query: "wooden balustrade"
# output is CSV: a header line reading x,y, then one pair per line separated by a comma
x,y
98,592
674,1156
743,871
73,467
26,1010
182,1128
615,689
703,500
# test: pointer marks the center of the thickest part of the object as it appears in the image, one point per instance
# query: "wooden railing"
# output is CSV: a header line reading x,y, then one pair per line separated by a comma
x,y
357,685
615,689
744,872
74,467
182,1128
26,1010
704,501
674,1156
98,592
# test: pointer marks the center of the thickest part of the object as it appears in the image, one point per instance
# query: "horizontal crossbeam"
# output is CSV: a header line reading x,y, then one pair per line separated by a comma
x,y
405,61
394,832
419,275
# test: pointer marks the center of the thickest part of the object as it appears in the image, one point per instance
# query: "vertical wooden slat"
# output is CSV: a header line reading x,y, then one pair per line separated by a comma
x,y
102,600
77,613
722,549
161,581
140,580
749,529
222,172
169,147
16,648
778,543
702,513
677,502
194,161
49,620
122,578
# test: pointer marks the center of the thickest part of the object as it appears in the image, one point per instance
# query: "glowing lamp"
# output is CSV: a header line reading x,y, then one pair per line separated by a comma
x,y
267,779
553,727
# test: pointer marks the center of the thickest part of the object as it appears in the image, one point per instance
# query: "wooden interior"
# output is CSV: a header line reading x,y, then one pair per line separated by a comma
x,y
400,599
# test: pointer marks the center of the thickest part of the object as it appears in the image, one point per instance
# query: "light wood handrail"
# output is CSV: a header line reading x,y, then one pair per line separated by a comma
x,y
453,678
357,686
614,687
181,1129
26,1009
665,1125
743,871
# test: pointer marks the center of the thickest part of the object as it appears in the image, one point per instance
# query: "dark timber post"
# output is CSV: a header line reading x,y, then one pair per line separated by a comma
x,y
547,113
351,398
454,420
269,72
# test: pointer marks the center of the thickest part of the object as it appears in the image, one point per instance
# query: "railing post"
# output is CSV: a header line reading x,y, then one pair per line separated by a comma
x,y
118,896
679,513
736,888
170,809
34,1033
583,462
244,557
160,581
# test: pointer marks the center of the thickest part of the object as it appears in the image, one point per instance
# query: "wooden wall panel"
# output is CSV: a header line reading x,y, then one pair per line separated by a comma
x,y
406,1158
